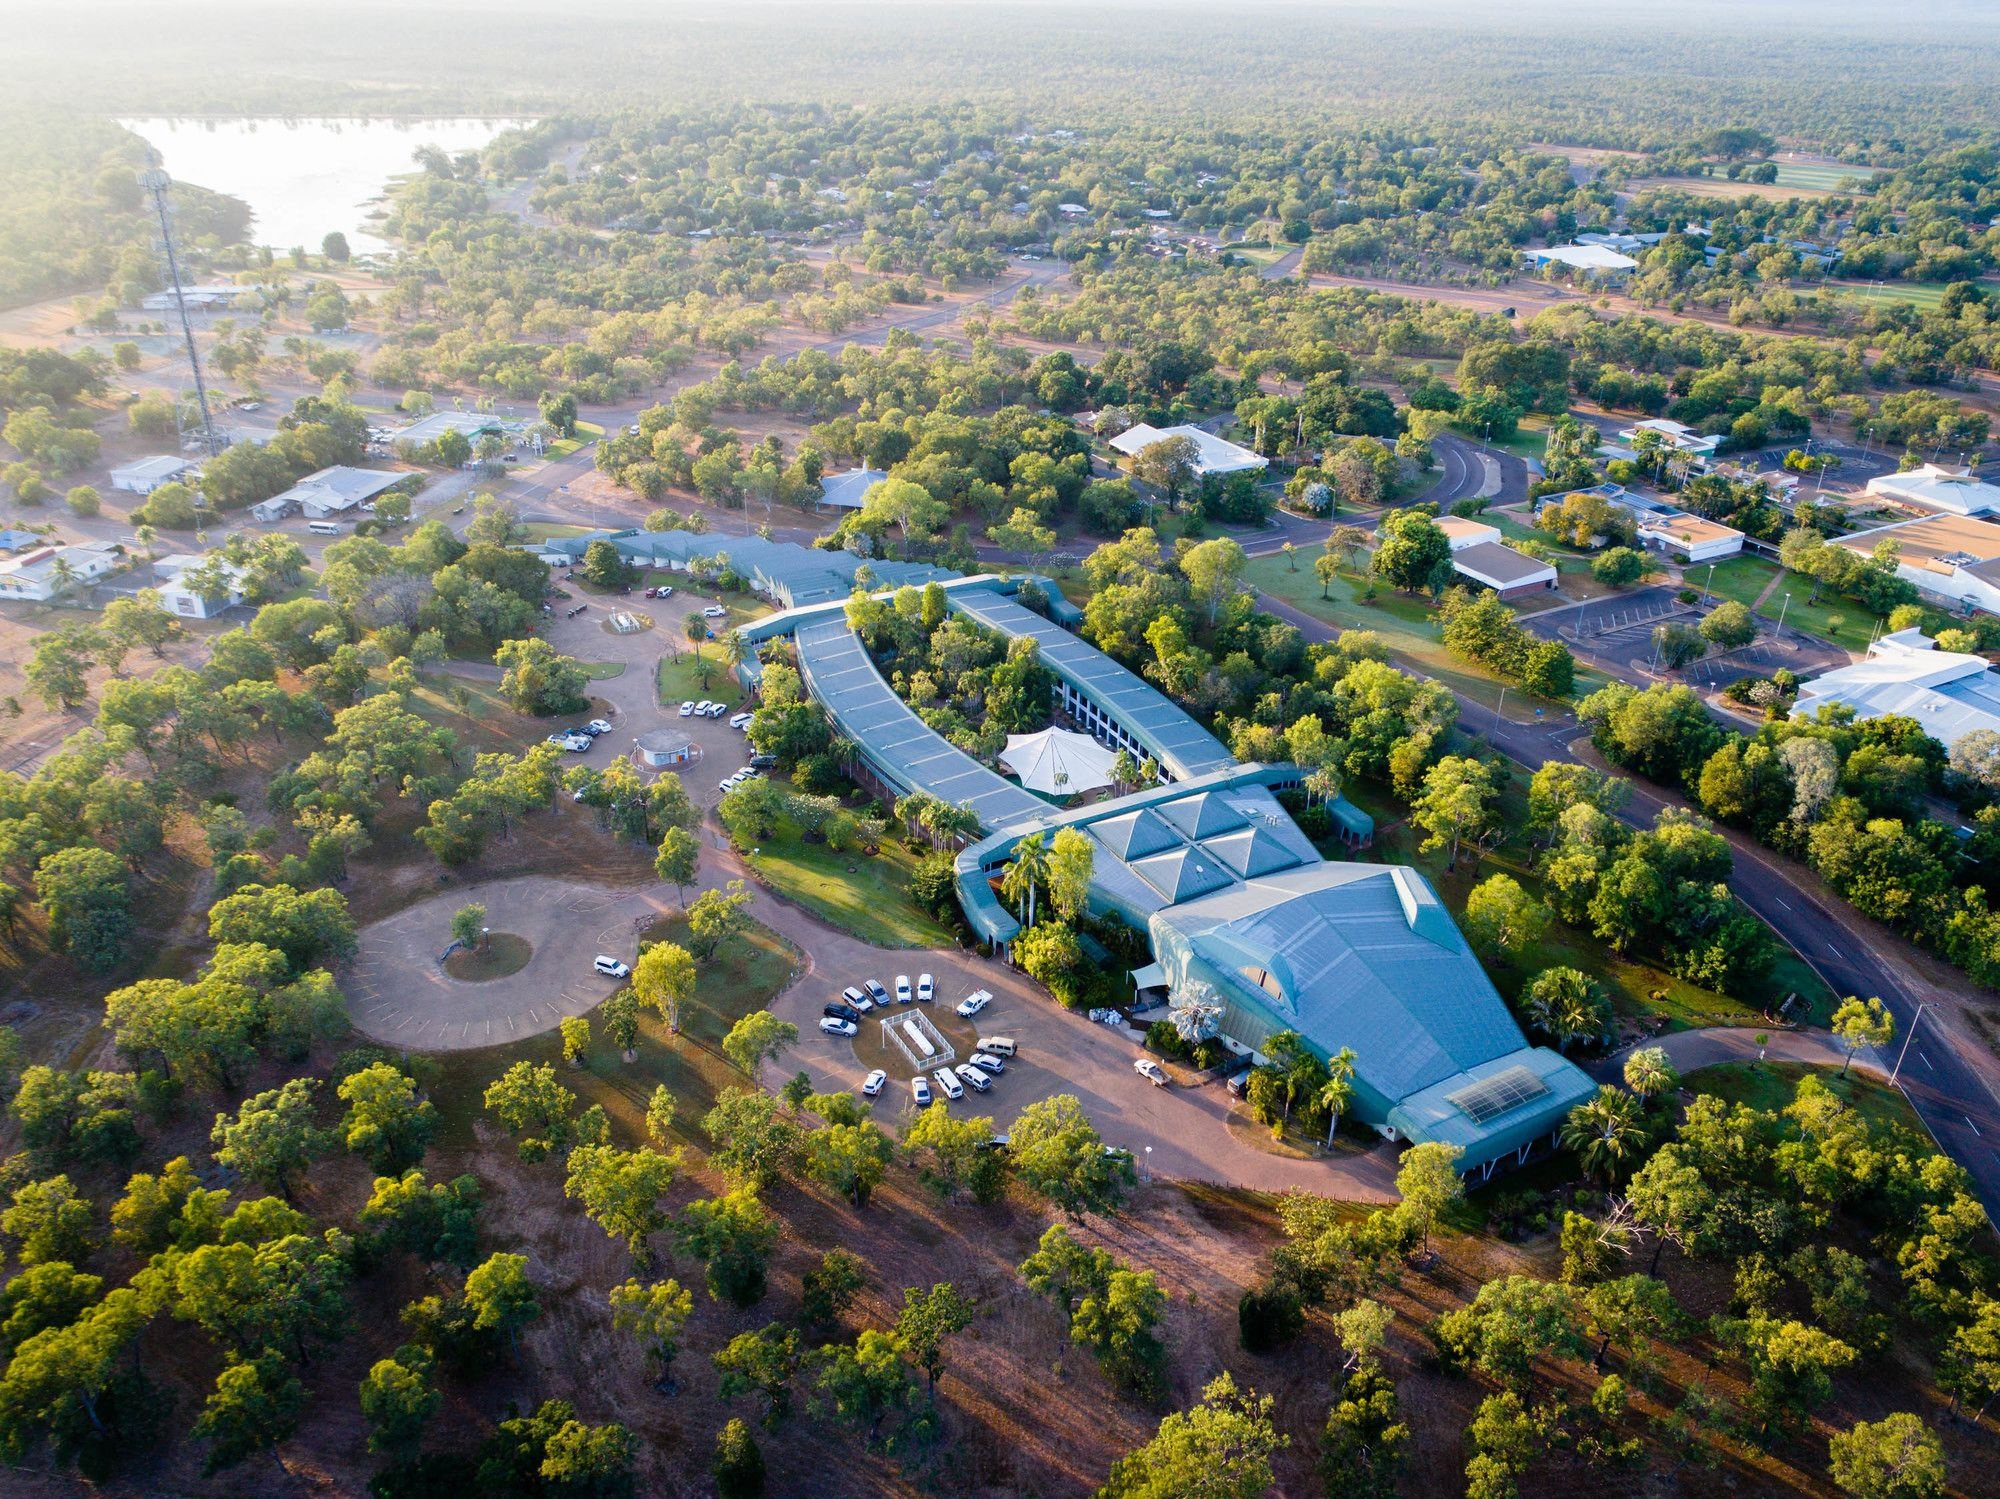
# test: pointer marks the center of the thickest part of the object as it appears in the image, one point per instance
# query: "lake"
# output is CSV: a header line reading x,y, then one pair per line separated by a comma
x,y
303,179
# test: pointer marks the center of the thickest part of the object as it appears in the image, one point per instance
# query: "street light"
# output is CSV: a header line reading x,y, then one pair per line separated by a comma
x,y
1908,1037
1710,583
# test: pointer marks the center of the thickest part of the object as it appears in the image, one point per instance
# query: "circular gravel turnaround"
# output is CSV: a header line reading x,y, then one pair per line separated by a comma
x,y
399,993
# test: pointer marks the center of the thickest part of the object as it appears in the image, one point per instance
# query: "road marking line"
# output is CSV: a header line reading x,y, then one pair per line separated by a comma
x,y
1924,1059
1832,949
1968,1119
1782,901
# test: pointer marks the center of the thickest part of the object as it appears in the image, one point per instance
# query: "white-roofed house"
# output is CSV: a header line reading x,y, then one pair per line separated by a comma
x,y
41,573
1214,455
144,475
194,586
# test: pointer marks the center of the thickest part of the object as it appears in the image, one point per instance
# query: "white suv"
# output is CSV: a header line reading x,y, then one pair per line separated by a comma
x,y
610,967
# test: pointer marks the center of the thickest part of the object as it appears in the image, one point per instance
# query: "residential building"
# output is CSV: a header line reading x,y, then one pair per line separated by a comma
x,y
271,511
177,596
1954,557
1214,455
144,475
334,491
1677,436
848,491
1950,694
40,573
1596,262
1949,491
1509,573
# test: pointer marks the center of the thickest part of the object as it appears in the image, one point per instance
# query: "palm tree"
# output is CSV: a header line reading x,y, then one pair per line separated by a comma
x,y
944,821
696,629
735,649
1605,1132
1565,1005
65,574
1336,1094
1029,871
1648,1072
1299,1071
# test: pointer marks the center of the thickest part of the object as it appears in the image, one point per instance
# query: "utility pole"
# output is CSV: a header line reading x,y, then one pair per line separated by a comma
x,y
155,181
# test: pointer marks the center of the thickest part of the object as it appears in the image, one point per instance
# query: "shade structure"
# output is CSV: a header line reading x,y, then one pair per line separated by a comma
x,y
1057,762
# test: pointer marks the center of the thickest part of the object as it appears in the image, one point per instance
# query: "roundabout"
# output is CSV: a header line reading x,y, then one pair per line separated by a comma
x,y
498,956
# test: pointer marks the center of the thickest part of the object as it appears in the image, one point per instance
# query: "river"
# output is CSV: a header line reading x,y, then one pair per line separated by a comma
x,y
304,179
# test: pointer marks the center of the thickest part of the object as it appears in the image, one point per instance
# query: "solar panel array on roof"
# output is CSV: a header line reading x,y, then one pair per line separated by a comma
x,y
1180,744
1493,1096
903,749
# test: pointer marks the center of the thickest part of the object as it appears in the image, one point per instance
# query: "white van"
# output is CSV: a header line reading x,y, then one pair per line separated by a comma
x,y
325,527
1000,1046
948,1080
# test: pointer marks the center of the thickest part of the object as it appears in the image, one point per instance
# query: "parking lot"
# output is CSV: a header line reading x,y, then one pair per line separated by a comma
x,y
1177,1131
1616,633
633,696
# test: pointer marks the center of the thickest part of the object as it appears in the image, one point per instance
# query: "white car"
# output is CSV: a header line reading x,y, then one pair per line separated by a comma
x,y
701,708
1150,1071
687,709
715,611
873,1083
972,1077
610,967
576,744
974,1002
986,1060
598,726
920,1090
716,710
875,991
741,721
833,1025
856,998
926,990
902,988
948,1080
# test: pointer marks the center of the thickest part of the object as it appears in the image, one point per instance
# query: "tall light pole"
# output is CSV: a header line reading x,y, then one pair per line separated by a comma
x,y
155,181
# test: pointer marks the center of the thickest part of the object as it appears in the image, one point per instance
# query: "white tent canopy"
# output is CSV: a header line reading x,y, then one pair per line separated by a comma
x,y
1058,762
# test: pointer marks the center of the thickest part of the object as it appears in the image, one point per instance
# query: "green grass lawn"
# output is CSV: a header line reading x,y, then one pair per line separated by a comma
x,y
678,678
1916,293
1771,1085
603,671
542,530
1842,621
746,973
1404,623
562,447
1824,177
1530,441
854,892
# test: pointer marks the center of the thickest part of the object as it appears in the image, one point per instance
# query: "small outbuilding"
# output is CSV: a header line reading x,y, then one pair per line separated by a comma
x,y
144,475
660,749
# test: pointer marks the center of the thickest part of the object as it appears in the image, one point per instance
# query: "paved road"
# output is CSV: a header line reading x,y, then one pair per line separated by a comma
x,y
1946,1075
1468,471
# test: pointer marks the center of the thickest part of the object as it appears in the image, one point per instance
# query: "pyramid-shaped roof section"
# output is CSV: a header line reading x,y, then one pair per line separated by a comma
x,y
1182,873
1204,815
1136,834
1252,852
